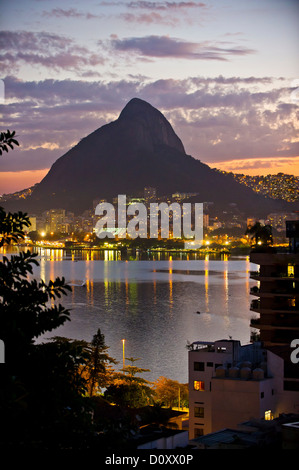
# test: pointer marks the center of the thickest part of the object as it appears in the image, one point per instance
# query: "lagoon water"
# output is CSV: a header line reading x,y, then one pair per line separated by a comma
x,y
152,303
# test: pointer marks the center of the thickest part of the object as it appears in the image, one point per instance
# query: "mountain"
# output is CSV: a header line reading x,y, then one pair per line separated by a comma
x,y
138,149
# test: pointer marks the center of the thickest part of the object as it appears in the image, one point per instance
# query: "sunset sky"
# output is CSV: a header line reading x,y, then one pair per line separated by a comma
x,y
225,73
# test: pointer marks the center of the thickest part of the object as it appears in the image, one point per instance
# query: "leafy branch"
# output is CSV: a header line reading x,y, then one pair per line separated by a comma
x,y
7,140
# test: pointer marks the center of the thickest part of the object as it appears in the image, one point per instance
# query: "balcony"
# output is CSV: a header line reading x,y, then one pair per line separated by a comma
x,y
255,290
276,324
255,305
254,274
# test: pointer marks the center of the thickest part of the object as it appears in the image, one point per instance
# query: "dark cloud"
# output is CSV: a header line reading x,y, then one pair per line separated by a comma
x,y
44,49
28,41
164,46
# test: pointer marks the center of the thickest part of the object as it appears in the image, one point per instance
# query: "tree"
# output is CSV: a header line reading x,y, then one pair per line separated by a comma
x,y
24,311
128,389
261,233
42,401
11,226
7,140
42,392
170,392
97,370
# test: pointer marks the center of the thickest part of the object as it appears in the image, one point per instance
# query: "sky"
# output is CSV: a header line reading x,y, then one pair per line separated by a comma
x,y
225,73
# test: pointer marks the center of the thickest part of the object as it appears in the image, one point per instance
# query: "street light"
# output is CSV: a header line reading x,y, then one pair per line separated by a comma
x,y
123,340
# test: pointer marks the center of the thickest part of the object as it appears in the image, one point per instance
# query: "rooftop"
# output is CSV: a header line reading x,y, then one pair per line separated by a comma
x,y
227,438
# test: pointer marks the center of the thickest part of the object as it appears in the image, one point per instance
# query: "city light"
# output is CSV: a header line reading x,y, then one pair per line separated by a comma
x,y
123,341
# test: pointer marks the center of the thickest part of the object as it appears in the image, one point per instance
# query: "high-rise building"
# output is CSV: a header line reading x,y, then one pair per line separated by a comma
x,y
277,291
32,227
150,194
54,218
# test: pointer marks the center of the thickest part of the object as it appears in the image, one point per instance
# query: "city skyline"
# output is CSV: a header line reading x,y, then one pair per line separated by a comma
x,y
224,74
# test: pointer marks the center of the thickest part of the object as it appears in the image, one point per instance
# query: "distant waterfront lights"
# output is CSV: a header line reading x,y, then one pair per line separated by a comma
x,y
137,225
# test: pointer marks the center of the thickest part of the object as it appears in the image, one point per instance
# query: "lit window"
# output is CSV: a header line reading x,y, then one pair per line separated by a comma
x,y
268,415
291,270
199,385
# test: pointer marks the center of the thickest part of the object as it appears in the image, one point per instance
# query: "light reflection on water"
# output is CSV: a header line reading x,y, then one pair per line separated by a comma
x,y
152,304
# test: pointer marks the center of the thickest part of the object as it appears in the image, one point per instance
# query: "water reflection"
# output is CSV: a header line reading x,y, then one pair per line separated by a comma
x,y
152,303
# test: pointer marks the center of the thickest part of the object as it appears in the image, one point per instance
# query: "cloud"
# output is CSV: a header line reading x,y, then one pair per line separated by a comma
x,y
51,51
164,46
70,13
149,18
162,6
29,160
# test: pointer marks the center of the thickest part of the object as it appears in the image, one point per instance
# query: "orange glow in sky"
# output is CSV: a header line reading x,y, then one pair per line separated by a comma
x,y
260,166
12,181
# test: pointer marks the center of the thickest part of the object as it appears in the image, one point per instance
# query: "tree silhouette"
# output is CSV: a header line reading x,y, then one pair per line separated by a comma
x,y
42,401
97,370
7,140
262,234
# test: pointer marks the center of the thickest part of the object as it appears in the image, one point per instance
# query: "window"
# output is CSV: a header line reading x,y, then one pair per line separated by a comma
x,y
199,385
291,270
199,366
198,432
198,412
210,364
268,415
262,394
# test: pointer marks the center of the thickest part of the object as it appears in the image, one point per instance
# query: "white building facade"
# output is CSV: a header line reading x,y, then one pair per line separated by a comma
x,y
230,383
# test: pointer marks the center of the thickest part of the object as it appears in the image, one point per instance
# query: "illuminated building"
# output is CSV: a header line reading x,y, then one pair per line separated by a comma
x,y
150,194
32,228
230,384
54,217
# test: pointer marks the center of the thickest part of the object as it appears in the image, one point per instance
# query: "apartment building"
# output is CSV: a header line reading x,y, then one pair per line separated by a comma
x,y
230,383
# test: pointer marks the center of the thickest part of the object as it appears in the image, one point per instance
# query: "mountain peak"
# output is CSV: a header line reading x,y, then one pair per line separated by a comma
x,y
151,123
136,106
